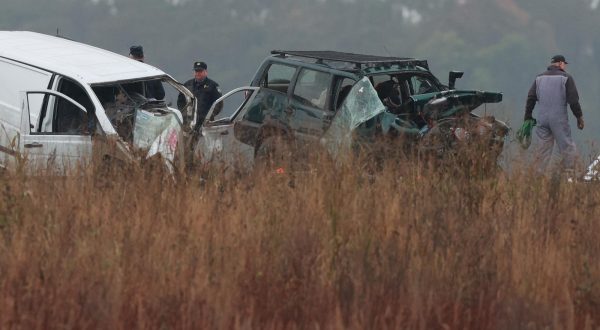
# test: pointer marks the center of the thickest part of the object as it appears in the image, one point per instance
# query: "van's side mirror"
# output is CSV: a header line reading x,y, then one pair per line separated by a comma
x,y
452,78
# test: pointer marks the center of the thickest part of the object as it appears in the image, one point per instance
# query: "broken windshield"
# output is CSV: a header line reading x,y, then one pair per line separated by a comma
x,y
157,132
142,121
361,104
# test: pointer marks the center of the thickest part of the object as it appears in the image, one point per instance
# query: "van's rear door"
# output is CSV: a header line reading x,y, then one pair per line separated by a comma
x,y
66,144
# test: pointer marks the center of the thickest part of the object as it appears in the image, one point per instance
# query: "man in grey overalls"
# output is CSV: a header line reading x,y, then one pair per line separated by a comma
x,y
552,90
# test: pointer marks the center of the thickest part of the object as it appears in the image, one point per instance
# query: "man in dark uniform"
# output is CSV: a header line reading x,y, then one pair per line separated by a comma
x,y
552,91
153,88
205,90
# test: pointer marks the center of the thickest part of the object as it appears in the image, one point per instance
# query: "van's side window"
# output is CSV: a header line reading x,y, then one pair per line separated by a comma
x,y
278,77
63,117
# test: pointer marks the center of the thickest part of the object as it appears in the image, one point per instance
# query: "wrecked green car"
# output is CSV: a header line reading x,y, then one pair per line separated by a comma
x,y
298,98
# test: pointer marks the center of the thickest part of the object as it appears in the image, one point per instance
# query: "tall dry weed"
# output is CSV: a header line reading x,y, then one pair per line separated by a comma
x,y
394,245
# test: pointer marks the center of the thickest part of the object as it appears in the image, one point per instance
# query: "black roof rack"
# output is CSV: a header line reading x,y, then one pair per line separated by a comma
x,y
357,59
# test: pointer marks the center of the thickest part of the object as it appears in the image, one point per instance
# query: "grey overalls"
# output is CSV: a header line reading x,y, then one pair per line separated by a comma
x,y
553,90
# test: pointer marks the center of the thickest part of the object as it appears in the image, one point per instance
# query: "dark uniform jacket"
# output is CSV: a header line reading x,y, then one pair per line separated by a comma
x,y
539,88
206,93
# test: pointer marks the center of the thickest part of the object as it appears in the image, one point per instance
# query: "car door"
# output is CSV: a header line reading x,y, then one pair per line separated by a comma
x,y
218,141
66,141
309,110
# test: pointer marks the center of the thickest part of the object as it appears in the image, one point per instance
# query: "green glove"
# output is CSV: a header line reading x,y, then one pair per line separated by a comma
x,y
524,133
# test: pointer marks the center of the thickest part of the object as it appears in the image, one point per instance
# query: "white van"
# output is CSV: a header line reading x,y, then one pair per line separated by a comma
x,y
62,101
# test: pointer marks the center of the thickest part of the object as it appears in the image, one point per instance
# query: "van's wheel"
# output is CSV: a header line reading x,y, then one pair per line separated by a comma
x,y
274,153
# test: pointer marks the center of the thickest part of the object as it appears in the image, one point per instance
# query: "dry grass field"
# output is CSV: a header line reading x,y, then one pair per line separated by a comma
x,y
404,247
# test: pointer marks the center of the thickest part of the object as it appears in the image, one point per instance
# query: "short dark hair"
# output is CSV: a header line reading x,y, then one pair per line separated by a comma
x,y
199,66
136,51
558,59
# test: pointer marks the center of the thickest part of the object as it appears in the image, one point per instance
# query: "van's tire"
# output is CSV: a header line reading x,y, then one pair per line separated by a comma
x,y
274,152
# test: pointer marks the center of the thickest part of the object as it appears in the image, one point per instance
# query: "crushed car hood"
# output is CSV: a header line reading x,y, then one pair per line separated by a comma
x,y
449,103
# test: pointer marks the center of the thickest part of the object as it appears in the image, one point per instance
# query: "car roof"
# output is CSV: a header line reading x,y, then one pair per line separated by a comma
x,y
360,61
87,63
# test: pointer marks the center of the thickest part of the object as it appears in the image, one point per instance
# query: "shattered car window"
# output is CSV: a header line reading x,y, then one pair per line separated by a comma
x,y
361,104
159,133
119,108
266,102
423,85
343,87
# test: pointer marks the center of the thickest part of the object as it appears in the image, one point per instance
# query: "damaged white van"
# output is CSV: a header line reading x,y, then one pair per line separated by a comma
x,y
62,102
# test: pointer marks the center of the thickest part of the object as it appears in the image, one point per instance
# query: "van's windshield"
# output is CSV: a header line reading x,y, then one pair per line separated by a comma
x,y
141,112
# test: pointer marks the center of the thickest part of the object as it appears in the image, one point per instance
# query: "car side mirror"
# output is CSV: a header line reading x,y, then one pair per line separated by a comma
x,y
452,76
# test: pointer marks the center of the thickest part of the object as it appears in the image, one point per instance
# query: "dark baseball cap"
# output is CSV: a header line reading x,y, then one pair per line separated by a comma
x,y
558,58
199,66
136,51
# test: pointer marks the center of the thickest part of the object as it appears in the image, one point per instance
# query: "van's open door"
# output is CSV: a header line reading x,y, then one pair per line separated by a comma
x,y
66,144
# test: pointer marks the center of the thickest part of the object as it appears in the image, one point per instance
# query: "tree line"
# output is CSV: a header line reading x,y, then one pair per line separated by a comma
x,y
500,44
